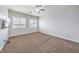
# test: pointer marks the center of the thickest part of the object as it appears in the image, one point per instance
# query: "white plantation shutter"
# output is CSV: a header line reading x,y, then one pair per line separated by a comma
x,y
18,22
15,22
22,22
33,23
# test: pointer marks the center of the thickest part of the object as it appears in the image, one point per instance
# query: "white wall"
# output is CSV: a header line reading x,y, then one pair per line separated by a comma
x,y
3,12
3,32
63,23
3,37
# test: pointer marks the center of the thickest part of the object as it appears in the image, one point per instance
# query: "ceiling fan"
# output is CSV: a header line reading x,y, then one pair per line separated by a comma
x,y
38,8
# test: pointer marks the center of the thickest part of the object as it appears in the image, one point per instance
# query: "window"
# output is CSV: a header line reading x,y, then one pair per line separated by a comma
x,y
18,22
22,22
33,23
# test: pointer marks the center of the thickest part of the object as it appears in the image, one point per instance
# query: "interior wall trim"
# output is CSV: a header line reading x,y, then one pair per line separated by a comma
x,y
62,37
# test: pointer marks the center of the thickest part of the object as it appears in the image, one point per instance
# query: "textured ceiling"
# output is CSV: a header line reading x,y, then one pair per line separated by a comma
x,y
29,9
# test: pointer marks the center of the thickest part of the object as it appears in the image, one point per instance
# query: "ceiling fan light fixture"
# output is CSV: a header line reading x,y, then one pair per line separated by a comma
x,y
37,10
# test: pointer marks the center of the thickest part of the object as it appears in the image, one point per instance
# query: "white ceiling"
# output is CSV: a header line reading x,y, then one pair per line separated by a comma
x,y
27,8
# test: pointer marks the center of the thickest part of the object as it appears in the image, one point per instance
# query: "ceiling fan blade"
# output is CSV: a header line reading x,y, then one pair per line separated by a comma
x,y
42,9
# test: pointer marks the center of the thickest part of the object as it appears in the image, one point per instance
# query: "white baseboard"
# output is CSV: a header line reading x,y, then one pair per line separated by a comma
x,y
56,35
21,34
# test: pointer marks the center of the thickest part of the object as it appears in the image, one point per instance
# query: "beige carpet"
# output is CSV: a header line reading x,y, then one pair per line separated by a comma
x,y
39,43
